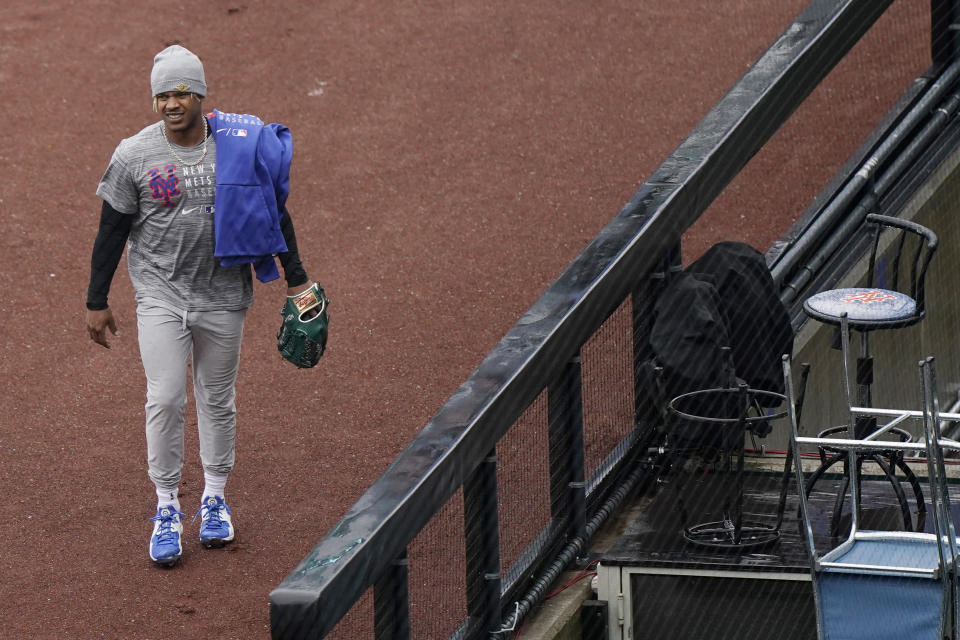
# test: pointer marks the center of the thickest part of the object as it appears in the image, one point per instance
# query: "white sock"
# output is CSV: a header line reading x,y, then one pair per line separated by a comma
x,y
168,497
214,484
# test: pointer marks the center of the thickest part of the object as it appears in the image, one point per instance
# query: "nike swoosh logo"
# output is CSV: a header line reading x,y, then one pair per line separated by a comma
x,y
224,129
187,212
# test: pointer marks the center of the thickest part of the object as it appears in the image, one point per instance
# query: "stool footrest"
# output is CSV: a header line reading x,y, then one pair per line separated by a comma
x,y
722,535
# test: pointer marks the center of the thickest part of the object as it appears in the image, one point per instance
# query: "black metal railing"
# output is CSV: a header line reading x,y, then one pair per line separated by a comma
x,y
622,268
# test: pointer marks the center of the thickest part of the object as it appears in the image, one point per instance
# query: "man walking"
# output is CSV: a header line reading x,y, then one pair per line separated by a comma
x,y
159,193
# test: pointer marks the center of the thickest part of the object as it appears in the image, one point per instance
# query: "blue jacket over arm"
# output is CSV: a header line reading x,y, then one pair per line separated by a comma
x,y
253,181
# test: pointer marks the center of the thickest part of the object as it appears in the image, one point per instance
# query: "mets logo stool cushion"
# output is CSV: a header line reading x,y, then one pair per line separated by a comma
x,y
862,306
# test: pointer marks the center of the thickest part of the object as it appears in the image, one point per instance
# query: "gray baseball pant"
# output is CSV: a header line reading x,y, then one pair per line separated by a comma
x,y
168,337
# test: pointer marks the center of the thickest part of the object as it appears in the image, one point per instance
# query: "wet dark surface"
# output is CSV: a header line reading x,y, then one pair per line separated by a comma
x,y
655,538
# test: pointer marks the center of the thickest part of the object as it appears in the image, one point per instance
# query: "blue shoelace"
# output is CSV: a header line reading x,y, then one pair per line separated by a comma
x,y
213,515
165,532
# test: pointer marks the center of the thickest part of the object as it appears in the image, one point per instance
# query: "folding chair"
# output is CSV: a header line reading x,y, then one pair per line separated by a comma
x,y
874,584
944,525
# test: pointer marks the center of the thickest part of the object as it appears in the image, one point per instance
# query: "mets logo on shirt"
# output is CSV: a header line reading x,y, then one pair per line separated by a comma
x,y
164,186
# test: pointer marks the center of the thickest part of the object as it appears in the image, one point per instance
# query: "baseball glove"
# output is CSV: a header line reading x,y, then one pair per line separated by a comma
x,y
302,338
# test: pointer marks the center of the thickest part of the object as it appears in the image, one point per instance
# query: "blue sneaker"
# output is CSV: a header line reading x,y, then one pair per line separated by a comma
x,y
165,547
216,528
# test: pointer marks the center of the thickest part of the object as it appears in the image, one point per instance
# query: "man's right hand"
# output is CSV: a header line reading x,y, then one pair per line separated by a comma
x,y
97,324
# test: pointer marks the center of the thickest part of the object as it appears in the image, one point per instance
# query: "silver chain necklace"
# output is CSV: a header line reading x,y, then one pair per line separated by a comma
x,y
163,130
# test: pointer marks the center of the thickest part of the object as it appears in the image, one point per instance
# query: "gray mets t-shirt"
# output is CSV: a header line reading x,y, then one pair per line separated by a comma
x,y
170,248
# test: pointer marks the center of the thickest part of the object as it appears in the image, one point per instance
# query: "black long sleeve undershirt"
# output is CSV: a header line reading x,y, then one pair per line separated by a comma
x,y
107,251
112,238
293,270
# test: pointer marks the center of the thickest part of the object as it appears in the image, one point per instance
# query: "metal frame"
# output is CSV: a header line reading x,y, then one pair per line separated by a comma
x,y
852,446
944,525
735,530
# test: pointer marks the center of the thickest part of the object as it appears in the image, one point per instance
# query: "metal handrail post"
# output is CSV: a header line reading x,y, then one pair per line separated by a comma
x,y
567,467
482,537
391,601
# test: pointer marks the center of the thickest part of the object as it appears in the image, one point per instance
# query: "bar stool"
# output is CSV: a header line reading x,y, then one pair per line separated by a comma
x,y
734,407
882,305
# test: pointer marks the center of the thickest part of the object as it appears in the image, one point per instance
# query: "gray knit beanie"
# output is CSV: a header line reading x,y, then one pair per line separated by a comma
x,y
177,69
